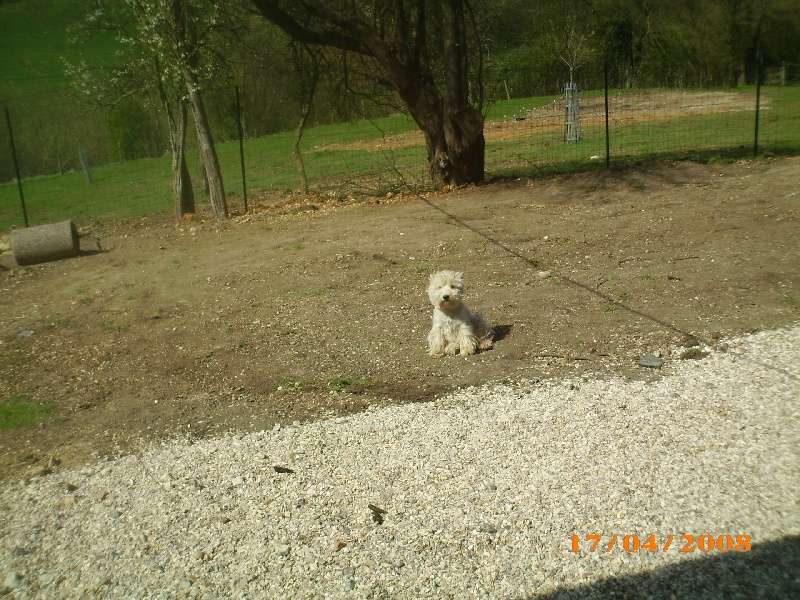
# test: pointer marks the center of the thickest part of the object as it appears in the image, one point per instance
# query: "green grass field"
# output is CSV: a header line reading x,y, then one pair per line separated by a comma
x,y
143,186
34,37
35,41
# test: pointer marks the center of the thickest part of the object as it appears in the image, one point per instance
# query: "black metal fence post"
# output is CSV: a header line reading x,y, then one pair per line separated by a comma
x,y
16,167
758,100
241,145
608,133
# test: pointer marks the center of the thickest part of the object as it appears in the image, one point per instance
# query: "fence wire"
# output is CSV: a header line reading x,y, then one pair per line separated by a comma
x,y
69,170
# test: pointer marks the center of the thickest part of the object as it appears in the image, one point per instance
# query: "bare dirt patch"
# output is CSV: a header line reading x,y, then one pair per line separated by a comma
x,y
311,308
630,107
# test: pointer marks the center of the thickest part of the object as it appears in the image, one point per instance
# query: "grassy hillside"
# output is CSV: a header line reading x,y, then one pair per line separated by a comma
x,y
34,36
350,157
143,186
339,157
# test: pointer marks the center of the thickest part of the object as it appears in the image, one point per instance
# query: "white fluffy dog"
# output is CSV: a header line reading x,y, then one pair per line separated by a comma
x,y
455,329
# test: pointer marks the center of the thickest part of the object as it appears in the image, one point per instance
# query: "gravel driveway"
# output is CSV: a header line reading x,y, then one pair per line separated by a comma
x,y
476,495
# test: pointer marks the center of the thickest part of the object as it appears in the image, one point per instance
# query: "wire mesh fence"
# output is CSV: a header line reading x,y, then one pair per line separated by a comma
x,y
592,125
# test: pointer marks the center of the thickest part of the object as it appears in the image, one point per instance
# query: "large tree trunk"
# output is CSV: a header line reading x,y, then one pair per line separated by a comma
x,y
452,127
461,160
185,38
182,191
463,132
455,144
397,41
208,154
181,180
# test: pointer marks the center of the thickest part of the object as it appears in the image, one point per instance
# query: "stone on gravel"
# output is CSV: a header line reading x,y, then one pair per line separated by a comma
x,y
12,580
650,361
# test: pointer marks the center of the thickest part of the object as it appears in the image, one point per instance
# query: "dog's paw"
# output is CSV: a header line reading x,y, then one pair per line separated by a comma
x,y
467,346
451,349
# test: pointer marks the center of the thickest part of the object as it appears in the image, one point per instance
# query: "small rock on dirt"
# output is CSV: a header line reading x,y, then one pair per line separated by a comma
x,y
652,362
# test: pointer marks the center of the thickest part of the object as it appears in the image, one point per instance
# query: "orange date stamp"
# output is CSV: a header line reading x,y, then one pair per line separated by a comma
x,y
683,543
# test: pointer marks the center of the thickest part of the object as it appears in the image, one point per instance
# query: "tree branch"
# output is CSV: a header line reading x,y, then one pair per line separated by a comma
x,y
324,37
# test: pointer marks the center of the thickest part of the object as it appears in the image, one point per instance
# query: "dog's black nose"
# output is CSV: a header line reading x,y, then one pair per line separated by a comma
x,y
446,298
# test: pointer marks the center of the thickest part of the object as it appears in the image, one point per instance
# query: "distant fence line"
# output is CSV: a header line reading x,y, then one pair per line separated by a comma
x,y
588,126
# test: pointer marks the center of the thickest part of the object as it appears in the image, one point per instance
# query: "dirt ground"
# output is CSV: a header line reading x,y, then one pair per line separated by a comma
x,y
308,308
625,108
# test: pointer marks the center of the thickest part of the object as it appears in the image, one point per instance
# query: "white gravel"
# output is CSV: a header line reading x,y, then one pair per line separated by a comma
x,y
481,492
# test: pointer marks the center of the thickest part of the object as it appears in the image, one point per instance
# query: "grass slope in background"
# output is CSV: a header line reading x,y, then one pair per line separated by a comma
x,y
33,39
34,36
143,186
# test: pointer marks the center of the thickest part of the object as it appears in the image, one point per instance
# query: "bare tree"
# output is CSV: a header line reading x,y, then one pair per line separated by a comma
x,y
572,40
177,115
422,50
309,78
182,31
142,73
170,52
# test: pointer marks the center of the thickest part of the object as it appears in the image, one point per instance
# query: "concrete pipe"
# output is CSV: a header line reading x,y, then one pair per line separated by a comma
x,y
44,243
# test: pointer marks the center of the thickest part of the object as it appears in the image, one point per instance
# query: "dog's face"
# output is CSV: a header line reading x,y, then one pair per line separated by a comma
x,y
445,289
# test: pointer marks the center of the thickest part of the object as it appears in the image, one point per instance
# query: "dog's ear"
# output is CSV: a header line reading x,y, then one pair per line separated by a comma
x,y
459,277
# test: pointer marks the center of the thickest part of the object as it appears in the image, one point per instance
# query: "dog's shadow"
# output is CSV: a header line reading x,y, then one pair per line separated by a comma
x,y
501,332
